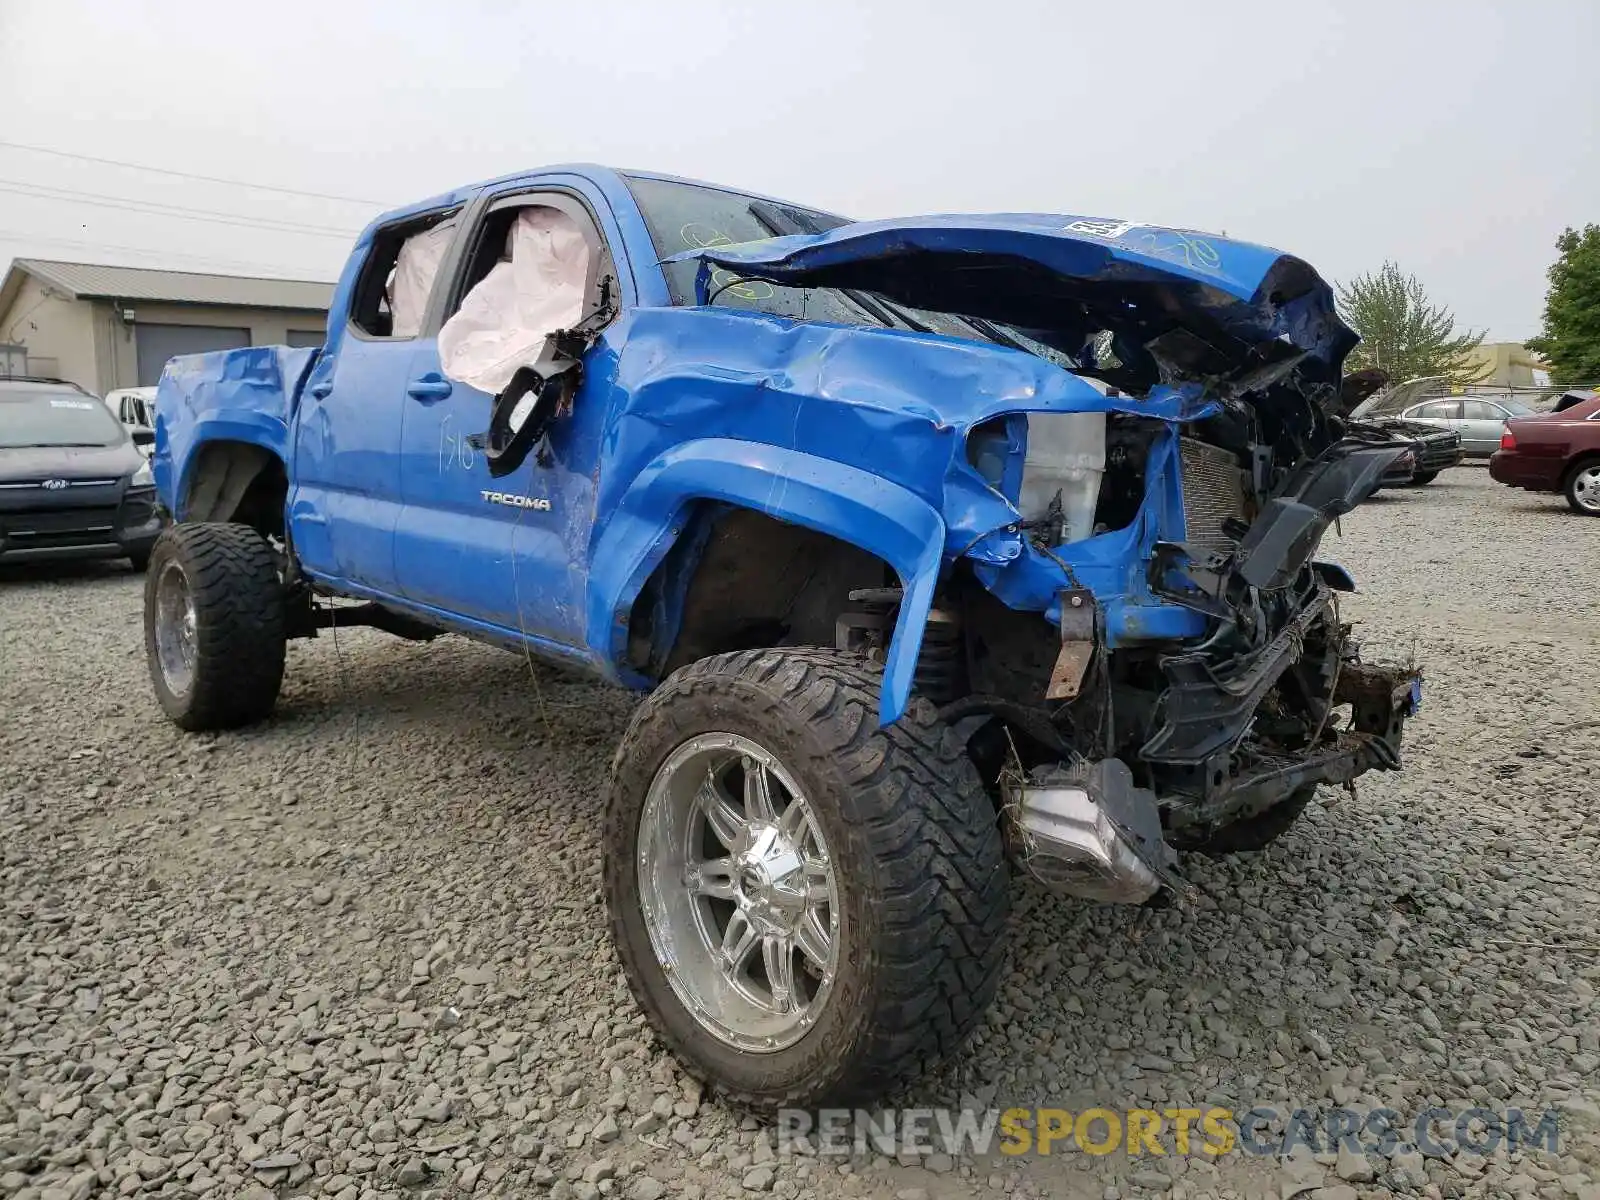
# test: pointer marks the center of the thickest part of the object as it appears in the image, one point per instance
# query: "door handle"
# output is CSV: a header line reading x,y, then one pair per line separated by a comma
x,y
427,390
321,391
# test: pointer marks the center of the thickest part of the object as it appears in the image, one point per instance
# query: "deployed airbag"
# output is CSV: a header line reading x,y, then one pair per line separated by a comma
x,y
418,263
535,291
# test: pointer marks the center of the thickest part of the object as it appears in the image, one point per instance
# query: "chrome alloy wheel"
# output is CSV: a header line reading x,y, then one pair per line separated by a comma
x,y
176,643
738,892
1586,489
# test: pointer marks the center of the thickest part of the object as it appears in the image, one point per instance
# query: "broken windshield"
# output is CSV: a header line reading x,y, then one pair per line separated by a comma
x,y
687,216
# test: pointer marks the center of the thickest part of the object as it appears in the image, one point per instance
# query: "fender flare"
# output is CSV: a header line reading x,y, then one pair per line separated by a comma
x,y
842,501
259,432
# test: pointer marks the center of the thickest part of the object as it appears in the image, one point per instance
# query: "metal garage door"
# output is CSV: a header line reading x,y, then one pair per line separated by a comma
x,y
157,343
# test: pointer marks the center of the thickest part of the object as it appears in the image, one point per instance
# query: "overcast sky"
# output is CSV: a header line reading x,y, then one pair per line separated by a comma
x,y
1456,138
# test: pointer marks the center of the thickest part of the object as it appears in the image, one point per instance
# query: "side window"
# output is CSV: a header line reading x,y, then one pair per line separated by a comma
x,y
533,268
392,290
1440,409
1482,410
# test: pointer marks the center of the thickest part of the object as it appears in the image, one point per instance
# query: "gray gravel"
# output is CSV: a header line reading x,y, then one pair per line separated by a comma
x,y
360,951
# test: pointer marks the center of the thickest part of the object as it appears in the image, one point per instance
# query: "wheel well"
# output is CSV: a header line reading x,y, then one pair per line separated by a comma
x,y
738,579
1576,463
239,483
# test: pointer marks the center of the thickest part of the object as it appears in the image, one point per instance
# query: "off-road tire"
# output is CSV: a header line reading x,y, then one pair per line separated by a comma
x,y
232,575
918,855
1569,486
1260,831
1423,478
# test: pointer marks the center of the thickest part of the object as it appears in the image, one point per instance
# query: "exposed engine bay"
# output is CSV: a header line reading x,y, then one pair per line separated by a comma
x,y
1192,671
1104,760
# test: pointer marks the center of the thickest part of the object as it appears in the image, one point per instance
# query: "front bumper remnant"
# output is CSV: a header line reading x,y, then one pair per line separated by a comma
x,y
1087,831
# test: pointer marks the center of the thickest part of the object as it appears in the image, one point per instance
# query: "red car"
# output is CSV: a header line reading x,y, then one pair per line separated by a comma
x,y
1554,452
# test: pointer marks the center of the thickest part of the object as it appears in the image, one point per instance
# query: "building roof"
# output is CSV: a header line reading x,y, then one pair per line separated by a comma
x,y
99,281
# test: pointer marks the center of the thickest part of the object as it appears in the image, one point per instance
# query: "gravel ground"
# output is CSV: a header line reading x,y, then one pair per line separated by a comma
x,y
361,951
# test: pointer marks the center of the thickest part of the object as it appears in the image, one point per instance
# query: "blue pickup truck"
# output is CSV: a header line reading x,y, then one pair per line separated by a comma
x,y
948,550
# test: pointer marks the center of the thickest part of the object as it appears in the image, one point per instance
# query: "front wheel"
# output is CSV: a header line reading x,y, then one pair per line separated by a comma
x,y
1423,477
1583,488
214,625
807,906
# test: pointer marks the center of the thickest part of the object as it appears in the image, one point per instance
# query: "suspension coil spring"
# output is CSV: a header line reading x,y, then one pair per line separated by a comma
x,y
941,663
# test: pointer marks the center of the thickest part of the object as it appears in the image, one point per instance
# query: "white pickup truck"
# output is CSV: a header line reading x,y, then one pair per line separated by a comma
x,y
135,408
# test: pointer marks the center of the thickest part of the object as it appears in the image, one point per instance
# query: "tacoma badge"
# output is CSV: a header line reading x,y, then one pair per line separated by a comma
x,y
537,503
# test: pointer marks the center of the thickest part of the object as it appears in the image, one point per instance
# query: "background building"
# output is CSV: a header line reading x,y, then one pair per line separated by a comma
x,y
105,327
1511,364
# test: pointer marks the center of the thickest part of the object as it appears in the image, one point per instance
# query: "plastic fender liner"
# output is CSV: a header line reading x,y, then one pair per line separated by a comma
x,y
1286,534
1204,709
845,502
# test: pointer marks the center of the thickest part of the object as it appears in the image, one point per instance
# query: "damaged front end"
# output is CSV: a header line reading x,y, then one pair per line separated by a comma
x,y
1160,506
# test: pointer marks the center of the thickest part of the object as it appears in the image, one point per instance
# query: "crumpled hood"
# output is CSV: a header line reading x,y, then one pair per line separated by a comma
x,y
1195,305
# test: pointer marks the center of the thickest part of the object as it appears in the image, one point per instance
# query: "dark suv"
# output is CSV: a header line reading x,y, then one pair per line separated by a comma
x,y
73,483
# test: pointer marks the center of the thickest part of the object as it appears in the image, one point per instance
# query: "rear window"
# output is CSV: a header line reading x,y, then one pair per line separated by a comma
x,y
55,418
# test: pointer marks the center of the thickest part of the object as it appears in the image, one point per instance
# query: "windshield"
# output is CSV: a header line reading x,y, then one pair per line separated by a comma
x,y
688,216
55,418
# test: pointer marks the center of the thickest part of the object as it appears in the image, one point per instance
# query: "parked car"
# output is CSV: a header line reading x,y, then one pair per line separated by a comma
x,y
1480,422
135,408
73,482
1571,399
1554,452
1428,450
935,541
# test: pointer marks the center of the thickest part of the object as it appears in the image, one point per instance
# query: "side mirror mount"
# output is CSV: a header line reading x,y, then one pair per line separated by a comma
x,y
521,415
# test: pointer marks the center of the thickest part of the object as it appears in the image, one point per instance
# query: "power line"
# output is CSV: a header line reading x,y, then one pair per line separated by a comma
x,y
260,187
155,208
18,236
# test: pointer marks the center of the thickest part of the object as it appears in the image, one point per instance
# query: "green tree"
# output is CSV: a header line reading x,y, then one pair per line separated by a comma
x,y
1403,333
1571,338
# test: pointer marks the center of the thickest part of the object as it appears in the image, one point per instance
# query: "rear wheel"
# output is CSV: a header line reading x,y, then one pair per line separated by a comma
x,y
807,906
1583,488
214,625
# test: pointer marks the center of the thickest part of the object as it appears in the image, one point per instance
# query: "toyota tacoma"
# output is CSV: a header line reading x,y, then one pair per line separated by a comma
x,y
946,550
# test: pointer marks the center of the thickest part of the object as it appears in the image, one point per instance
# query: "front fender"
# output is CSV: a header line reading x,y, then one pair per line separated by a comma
x,y
842,501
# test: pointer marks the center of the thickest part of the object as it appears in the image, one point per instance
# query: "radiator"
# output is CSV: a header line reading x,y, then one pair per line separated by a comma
x,y
1213,491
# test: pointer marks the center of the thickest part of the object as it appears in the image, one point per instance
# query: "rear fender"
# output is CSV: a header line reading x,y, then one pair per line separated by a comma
x,y
842,501
241,397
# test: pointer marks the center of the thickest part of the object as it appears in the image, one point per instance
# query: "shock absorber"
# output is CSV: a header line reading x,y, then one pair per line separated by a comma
x,y
941,662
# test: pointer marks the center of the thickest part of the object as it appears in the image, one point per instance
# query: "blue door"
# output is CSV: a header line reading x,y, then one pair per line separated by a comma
x,y
510,552
347,494
347,464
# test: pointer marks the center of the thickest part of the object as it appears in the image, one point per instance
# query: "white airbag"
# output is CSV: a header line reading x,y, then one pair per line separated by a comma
x,y
418,263
504,321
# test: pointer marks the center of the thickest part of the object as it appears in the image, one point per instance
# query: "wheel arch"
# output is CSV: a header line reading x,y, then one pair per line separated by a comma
x,y
782,491
232,479
1577,460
